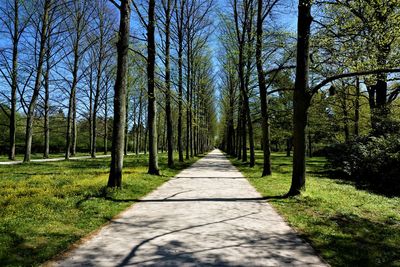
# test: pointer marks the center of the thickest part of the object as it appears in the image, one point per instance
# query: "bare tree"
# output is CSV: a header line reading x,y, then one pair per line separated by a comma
x,y
43,31
79,20
11,21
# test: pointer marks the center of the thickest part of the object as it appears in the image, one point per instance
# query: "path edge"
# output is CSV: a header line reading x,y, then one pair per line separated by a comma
x,y
298,233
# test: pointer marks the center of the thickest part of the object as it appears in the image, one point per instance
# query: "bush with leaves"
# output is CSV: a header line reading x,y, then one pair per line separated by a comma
x,y
372,162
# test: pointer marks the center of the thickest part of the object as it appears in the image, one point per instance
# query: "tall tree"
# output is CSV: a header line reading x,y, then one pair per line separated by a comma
x,y
15,23
179,17
301,97
117,151
266,139
43,33
78,13
168,6
104,27
151,110
243,25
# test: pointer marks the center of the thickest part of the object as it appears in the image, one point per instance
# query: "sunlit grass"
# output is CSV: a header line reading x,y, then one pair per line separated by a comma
x,y
348,227
40,156
45,207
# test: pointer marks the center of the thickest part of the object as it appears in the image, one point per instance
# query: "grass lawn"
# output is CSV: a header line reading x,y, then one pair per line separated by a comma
x,y
45,207
348,227
40,156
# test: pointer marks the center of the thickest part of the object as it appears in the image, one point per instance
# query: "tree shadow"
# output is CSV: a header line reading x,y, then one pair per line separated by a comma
x,y
103,194
358,241
237,245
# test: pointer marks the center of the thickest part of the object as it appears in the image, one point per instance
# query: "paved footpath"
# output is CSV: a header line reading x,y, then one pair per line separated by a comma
x,y
208,215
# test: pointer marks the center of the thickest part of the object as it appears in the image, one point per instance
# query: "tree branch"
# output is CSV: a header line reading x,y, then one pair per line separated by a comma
x,y
115,4
351,74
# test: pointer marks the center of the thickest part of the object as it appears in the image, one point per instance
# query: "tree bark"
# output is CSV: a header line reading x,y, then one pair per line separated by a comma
x,y
74,123
180,76
117,151
170,136
188,78
266,140
36,89
105,140
239,131
301,98
46,104
357,109
71,118
288,146
96,99
244,132
139,135
152,112
126,139
14,82
91,113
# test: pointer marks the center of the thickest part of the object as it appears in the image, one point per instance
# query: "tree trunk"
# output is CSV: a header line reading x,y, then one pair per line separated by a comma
x,y
139,135
266,140
134,126
180,78
74,124
117,151
288,146
301,98
91,113
46,104
36,89
380,110
239,131
14,82
188,129
71,118
105,140
346,123
98,85
152,113
190,89
170,136
126,140
244,132
248,46
357,109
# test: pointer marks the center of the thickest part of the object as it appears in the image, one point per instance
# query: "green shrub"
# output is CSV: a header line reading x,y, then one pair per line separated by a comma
x,y
372,162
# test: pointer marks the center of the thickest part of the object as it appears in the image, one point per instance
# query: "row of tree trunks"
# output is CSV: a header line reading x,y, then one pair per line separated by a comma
x,y
243,31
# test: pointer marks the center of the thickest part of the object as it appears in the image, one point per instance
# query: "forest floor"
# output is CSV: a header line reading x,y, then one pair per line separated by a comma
x,y
347,226
207,215
46,207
